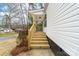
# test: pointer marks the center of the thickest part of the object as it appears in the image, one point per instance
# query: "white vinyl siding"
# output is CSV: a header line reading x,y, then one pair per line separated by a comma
x,y
63,26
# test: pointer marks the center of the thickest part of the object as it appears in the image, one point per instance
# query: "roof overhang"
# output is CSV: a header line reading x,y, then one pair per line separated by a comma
x,y
36,12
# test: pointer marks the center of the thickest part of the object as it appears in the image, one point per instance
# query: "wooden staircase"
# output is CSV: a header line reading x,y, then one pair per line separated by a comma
x,y
36,39
39,40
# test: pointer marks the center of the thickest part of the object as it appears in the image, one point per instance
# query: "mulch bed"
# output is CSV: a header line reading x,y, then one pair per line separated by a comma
x,y
23,47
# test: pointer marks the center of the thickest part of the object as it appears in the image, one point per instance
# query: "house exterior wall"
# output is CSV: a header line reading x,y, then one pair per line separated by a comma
x,y
63,26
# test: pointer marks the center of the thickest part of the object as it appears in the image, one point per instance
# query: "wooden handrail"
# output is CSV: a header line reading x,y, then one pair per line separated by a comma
x,y
31,31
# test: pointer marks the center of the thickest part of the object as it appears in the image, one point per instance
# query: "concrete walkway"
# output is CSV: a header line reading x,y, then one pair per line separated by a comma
x,y
38,52
6,46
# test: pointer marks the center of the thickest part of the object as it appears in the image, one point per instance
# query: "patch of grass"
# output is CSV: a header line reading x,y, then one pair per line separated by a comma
x,y
7,34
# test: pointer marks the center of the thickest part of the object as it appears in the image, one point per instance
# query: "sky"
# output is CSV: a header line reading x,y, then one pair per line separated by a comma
x,y
3,7
3,10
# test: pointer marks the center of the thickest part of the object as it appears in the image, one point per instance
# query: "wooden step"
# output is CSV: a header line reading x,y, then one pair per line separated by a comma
x,y
39,39
39,42
39,33
39,36
40,46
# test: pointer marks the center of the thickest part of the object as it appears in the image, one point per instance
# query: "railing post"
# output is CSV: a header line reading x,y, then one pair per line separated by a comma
x,y
29,39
